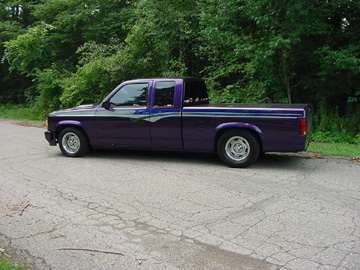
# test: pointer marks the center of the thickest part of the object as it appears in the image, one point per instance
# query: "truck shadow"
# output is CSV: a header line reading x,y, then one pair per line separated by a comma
x,y
271,160
156,156
277,161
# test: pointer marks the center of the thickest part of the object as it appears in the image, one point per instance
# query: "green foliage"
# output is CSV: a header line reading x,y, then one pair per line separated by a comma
x,y
48,52
27,53
155,47
252,51
91,83
49,87
282,50
15,16
164,37
92,51
79,21
62,53
330,127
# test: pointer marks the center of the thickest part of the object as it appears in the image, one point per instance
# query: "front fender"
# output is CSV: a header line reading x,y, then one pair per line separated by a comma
x,y
59,126
70,123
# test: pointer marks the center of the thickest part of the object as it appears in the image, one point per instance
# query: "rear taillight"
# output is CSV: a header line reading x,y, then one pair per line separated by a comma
x,y
302,128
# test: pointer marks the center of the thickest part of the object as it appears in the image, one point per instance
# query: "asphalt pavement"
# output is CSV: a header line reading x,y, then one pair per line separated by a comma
x,y
159,210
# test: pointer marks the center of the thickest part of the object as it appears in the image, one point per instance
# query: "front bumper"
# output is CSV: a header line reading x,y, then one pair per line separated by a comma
x,y
50,137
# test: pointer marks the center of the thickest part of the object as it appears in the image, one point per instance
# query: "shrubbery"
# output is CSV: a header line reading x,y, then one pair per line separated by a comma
x,y
58,54
331,128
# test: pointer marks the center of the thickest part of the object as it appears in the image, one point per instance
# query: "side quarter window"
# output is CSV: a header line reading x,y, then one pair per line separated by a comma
x,y
164,94
130,95
195,93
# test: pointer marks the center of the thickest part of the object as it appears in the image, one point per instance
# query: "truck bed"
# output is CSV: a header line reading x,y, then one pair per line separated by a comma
x,y
276,123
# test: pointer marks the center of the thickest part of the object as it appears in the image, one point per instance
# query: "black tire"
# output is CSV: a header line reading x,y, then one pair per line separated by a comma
x,y
238,148
73,142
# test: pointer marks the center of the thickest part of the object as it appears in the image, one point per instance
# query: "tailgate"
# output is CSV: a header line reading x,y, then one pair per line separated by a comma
x,y
309,124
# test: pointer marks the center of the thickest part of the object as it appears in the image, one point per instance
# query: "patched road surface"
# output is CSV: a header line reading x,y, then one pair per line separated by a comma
x,y
141,210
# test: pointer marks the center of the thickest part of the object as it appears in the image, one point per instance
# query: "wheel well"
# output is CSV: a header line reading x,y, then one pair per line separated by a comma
x,y
62,127
224,130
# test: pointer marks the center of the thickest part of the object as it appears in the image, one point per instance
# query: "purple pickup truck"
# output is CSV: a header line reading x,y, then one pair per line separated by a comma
x,y
175,114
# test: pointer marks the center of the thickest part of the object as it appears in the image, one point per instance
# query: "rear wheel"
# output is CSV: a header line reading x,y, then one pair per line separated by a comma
x,y
238,148
73,142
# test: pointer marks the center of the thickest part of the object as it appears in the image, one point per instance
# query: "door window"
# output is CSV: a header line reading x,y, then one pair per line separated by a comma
x,y
164,94
130,95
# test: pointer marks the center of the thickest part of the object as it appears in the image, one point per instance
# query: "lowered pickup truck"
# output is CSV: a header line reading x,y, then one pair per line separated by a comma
x,y
175,114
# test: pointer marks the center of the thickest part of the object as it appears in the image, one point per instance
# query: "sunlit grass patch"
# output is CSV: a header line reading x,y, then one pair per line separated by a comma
x,y
335,149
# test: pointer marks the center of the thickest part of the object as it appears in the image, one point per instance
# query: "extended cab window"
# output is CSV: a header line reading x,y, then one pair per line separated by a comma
x,y
195,93
130,95
164,94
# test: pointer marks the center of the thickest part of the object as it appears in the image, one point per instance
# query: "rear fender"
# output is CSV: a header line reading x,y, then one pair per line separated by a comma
x,y
220,129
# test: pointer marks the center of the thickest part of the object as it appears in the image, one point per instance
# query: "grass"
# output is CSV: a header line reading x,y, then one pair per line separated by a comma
x,y
18,112
6,265
335,149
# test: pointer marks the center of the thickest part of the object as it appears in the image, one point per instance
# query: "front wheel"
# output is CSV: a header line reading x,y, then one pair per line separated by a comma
x,y
238,148
73,142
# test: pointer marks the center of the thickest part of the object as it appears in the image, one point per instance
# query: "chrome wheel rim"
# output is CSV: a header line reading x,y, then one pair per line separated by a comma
x,y
71,143
237,148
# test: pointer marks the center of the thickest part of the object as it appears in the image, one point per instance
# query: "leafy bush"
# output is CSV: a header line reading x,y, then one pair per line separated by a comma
x,y
330,127
88,85
49,88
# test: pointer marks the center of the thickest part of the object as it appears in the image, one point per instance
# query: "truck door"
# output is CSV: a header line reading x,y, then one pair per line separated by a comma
x,y
126,122
165,117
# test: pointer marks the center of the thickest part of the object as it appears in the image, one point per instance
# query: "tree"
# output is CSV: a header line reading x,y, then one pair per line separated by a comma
x,y
50,44
280,50
65,52
15,16
165,35
162,42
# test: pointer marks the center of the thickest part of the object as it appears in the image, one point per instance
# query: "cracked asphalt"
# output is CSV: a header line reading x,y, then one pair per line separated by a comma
x,y
158,210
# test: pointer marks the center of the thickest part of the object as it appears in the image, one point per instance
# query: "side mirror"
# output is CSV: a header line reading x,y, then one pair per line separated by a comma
x,y
106,105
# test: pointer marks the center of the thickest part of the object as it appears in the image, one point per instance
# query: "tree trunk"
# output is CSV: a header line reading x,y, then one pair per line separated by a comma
x,y
285,75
